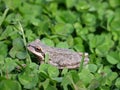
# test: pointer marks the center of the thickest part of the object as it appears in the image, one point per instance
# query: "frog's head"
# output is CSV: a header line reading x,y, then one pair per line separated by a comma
x,y
36,48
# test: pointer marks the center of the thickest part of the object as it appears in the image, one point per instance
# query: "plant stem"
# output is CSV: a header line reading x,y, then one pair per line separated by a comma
x,y
4,15
24,41
81,64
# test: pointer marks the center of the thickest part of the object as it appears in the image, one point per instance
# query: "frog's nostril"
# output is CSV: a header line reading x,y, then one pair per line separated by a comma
x,y
28,45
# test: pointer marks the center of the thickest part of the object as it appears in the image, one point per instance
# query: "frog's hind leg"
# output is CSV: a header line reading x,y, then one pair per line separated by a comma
x,y
86,57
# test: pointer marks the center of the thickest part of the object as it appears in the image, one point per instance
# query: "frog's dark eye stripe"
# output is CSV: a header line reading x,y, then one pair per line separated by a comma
x,y
37,49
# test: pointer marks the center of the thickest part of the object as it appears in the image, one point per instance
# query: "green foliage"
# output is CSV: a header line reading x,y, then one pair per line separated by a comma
x,y
9,65
82,25
9,85
29,78
48,42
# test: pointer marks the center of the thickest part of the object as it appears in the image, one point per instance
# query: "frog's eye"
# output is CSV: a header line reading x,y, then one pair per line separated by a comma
x,y
37,49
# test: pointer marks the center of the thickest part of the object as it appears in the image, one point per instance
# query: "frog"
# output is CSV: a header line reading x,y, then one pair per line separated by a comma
x,y
59,57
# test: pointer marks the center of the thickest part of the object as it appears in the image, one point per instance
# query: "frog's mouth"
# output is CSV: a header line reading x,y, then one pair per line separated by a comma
x,y
36,50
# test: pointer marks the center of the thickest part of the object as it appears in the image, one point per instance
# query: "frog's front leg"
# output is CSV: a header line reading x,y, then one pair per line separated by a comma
x,y
41,61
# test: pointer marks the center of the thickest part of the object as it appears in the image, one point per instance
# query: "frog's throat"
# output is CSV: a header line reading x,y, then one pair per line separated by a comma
x,y
39,55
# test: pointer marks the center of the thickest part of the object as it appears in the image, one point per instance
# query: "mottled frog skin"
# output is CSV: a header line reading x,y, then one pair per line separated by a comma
x,y
58,57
